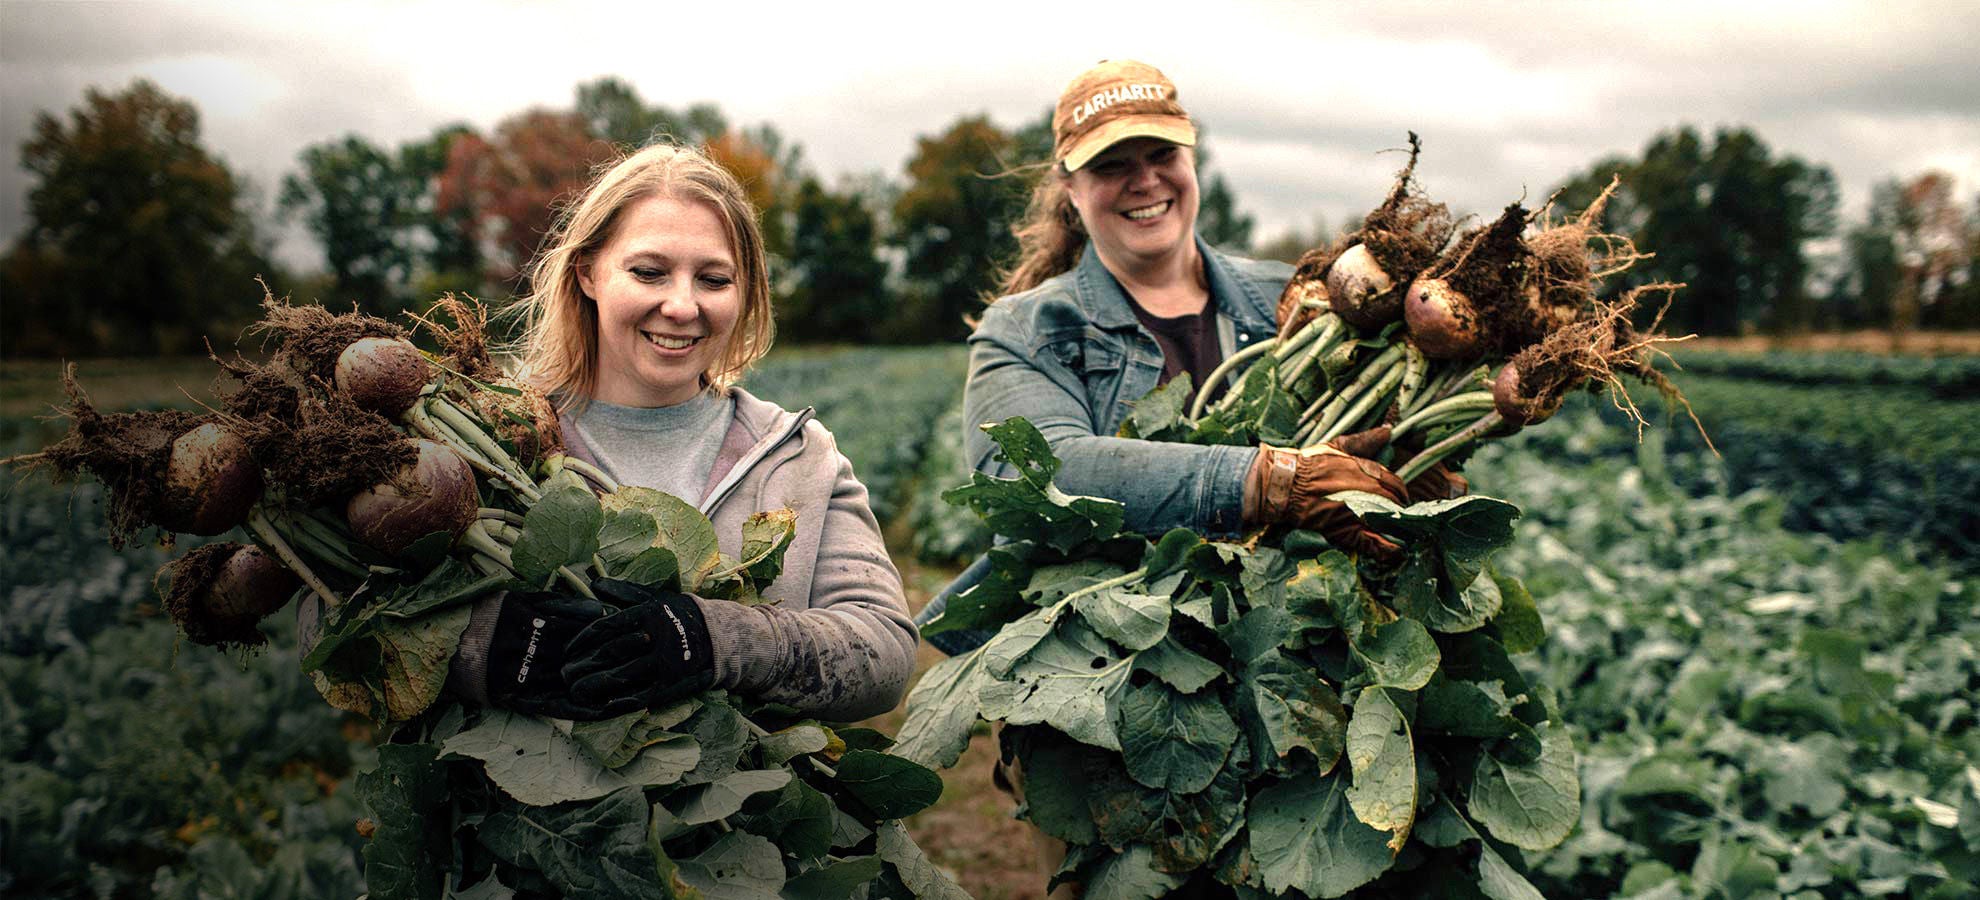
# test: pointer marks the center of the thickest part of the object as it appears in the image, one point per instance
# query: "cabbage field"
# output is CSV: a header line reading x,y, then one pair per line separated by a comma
x,y
1770,661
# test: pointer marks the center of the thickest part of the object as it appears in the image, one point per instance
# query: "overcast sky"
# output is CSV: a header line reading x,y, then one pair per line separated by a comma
x,y
1298,99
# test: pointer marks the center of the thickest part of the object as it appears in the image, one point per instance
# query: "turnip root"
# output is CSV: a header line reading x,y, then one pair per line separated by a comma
x,y
1442,322
435,493
1360,291
211,481
220,591
384,375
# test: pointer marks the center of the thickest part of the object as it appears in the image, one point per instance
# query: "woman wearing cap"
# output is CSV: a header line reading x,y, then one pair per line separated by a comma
x,y
1112,295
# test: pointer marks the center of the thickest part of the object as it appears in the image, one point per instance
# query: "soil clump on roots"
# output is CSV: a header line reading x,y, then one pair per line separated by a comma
x,y
129,452
332,449
312,337
1572,256
1595,352
1408,230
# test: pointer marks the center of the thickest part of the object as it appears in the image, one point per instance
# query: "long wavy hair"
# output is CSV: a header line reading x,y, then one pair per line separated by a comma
x,y
559,347
1050,236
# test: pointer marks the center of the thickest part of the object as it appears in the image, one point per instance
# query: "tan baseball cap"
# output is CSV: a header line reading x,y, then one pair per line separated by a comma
x,y
1114,101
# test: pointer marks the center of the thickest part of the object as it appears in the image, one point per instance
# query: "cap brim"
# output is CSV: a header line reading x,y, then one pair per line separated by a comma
x,y
1173,129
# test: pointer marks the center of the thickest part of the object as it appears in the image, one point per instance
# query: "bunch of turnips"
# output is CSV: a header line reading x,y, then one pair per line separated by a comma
x,y
384,490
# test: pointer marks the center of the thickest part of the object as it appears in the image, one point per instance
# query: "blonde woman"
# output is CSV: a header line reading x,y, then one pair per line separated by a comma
x,y
649,302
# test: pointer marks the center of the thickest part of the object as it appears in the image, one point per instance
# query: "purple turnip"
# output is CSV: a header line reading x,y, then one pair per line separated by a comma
x,y
220,591
211,481
1360,291
382,374
1442,321
436,493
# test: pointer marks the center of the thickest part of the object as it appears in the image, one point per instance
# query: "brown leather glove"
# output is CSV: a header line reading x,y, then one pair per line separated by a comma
x,y
1290,487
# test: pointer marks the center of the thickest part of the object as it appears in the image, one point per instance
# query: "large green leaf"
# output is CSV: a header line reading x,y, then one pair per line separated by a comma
x,y
1305,836
1177,666
1172,741
560,529
614,742
1128,875
724,797
738,866
1518,623
798,818
1030,507
834,881
1532,805
404,858
1057,800
414,657
538,764
941,710
1381,758
1465,532
1400,654
1286,706
682,530
890,786
1161,415
1425,594
917,873
594,849
995,600
1128,618
1067,682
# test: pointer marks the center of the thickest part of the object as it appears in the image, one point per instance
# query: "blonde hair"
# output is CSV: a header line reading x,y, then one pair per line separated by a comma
x,y
1050,235
559,348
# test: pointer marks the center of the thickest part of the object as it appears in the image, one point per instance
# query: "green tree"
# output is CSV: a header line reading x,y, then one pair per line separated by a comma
x,y
1727,218
362,206
952,224
834,287
614,112
447,251
138,240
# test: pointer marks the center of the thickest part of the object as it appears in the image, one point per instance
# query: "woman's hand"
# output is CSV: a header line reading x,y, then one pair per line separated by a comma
x,y
566,657
1290,487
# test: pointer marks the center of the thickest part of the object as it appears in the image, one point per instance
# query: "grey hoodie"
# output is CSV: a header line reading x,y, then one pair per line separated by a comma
x,y
836,642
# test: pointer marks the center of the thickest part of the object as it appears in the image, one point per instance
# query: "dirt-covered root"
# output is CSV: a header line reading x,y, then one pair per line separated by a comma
x,y
129,452
1597,350
1573,255
459,324
310,338
218,593
329,450
526,419
1491,266
1408,230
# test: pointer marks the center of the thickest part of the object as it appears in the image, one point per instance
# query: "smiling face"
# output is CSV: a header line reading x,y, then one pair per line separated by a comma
x,y
665,284
1138,201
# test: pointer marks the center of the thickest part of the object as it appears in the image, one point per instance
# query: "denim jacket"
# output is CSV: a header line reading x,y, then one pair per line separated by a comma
x,y
1070,356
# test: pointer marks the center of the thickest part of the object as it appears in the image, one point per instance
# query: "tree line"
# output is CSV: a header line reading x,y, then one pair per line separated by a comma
x,y
141,241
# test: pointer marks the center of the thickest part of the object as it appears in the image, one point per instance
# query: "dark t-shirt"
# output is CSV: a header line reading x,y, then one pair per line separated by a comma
x,y
1189,343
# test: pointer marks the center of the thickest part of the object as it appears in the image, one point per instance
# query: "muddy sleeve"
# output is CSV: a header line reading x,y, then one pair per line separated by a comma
x,y
850,654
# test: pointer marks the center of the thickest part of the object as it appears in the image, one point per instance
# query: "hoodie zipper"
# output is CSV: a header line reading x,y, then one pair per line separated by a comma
x,y
742,466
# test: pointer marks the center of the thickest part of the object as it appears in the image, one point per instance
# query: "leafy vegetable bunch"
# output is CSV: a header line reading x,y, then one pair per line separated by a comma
x,y
386,489
1274,716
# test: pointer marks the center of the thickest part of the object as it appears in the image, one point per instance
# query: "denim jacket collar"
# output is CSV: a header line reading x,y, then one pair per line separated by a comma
x,y
1106,303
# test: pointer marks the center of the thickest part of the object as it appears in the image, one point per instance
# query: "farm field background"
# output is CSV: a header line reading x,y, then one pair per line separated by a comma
x,y
1770,659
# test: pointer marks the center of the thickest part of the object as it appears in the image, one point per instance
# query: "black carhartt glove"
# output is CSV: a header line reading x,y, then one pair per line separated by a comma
x,y
527,652
653,650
